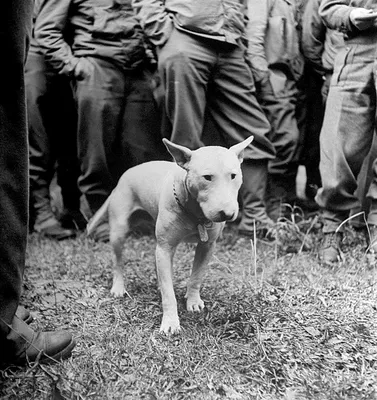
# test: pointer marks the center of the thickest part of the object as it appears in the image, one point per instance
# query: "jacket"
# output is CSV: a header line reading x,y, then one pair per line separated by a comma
x,y
222,20
106,29
319,43
336,14
274,41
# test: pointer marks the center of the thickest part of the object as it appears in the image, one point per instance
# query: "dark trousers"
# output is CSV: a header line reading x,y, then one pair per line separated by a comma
x,y
52,119
15,25
118,127
204,79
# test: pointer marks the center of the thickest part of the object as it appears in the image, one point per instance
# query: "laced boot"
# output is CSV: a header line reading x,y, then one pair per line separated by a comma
x,y
330,251
24,345
45,221
372,239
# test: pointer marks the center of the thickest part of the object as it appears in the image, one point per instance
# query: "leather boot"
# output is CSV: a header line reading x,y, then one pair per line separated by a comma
x,y
253,193
23,344
45,221
24,315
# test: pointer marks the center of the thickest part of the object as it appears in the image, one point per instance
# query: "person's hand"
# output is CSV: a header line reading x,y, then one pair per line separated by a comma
x,y
83,69
363,18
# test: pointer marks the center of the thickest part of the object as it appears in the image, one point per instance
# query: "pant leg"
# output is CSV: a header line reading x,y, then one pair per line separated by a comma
x,y
233,105
100,103
141,124
65,143
39,106
15,26
185,65
234,110
278,99
347,131
314,114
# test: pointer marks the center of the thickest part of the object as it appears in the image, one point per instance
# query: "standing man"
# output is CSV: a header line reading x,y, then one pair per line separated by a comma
x,y
350,116
52,119
18,342
203,63
278,66
118,121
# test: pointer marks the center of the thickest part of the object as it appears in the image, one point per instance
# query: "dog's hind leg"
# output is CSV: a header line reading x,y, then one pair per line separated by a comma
x,y
203,255
119,227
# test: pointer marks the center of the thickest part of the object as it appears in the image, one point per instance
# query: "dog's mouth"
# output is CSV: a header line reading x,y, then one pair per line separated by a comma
x,y
222,216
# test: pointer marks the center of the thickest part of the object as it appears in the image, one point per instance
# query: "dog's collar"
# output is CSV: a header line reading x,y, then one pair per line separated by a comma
x,y
202,223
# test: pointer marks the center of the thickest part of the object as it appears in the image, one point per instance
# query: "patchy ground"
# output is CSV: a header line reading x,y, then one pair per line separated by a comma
x,y
277,324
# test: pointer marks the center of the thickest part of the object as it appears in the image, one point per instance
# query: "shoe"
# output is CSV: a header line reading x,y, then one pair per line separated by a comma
x,y
24,315
24,345
330,251
372,239
73,219
52,229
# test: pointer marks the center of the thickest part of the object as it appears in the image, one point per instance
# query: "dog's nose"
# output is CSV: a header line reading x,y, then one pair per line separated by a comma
x,y
226,216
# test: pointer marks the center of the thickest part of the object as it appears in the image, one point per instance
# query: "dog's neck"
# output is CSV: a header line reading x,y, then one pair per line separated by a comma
x,y
190,206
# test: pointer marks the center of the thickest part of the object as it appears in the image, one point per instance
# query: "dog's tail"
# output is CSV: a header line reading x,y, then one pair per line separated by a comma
x,y
98,217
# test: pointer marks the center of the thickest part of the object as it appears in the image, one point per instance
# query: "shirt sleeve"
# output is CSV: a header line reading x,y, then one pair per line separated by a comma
x,y
336,14
49,27
256,31
154,19
313,35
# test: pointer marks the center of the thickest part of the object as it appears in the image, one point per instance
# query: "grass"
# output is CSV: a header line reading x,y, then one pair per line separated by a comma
x,y
277,323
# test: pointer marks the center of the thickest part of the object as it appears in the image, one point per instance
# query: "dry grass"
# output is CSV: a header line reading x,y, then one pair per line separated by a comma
x,y
277,324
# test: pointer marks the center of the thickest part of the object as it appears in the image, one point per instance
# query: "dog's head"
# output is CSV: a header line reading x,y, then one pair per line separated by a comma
x,y
213,178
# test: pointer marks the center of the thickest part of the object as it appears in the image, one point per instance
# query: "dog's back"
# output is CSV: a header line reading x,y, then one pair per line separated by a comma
x,y
140,186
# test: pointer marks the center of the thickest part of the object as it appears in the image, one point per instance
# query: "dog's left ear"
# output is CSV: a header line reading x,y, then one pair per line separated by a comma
x,y
181,154
240,147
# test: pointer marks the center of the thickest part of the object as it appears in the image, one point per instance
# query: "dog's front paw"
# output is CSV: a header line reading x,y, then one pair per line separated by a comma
x,y
194,303
170,325
118,290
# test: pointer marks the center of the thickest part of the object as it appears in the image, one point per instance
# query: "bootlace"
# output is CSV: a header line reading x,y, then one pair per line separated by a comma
x,y
332,240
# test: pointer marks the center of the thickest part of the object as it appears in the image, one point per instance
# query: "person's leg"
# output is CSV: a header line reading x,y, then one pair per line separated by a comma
x,y
65,144
45,118
278,100
100,101
17,341
140,129
14,30
185,65
310,154
346,138
236,115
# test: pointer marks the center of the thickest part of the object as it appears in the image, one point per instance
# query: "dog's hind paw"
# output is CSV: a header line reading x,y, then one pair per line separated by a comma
x,y
195,304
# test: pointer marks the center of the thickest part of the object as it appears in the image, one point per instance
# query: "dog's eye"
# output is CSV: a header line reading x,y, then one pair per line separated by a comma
x,y
232,176
207,177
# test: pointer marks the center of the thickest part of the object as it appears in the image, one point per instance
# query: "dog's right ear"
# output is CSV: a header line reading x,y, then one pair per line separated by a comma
x,y
181,154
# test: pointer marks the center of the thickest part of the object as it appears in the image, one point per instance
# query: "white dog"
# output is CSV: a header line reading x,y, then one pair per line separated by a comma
x,y
190,201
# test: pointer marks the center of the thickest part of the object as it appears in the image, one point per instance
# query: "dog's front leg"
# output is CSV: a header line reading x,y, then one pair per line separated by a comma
x,y
164,263
203,254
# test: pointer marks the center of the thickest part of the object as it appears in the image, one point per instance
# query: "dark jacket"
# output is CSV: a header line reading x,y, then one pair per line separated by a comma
x,y
223,20
336,14
106,29
319,43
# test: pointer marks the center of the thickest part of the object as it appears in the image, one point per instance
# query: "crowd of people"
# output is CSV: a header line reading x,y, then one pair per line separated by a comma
x,y
106,80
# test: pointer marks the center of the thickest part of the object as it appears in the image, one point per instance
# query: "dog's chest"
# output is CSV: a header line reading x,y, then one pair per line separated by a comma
x,y
203,234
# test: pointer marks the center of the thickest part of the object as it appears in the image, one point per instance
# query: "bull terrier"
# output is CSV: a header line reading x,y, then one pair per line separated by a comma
x,y
190,200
